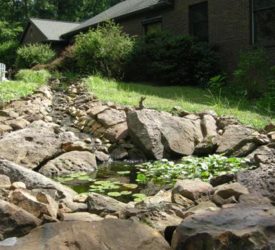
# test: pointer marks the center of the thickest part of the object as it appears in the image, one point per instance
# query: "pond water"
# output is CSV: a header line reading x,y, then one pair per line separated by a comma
x,y
117,180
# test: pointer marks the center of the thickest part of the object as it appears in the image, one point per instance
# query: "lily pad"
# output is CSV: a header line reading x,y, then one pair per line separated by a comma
x,y
114,194
130,185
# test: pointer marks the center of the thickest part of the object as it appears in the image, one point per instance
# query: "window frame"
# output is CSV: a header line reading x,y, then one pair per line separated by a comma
x,y
191,22
151,20
254,11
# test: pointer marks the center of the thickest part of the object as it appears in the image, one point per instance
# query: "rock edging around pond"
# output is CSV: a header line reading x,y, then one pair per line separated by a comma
x,y
78,126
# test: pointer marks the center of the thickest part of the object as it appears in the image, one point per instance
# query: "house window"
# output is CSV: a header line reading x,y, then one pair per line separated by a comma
x,y
198,21
264,22
152,25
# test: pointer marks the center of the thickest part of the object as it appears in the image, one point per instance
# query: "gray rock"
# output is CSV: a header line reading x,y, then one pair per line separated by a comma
x,y
192,189
234,138
161,135
15,221
226,191
33,145
262,178
38,206
111,117
209,126
74,161
101,235
34,180
246,227
5,181
101,204
80,216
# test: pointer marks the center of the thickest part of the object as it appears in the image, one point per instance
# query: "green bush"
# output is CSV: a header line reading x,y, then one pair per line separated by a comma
x,y
104,50
31,76
181,60
8,52
33,54
253,73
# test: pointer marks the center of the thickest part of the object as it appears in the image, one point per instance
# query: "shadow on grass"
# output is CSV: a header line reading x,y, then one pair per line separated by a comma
x,y
197,95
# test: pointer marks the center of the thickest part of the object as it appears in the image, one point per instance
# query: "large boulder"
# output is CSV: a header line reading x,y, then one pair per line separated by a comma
x,y
75,161
34,145
34,180
244,226
101,235
262,178
236,137
15,221
159,134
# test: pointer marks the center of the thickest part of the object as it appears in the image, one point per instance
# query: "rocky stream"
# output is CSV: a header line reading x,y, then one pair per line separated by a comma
x,y
63,134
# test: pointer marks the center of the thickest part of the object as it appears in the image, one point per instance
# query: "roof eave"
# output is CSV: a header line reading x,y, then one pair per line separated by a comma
x,y
155,7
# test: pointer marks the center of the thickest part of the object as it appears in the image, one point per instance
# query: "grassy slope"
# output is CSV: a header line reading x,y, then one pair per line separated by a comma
x,y
12,90
165,98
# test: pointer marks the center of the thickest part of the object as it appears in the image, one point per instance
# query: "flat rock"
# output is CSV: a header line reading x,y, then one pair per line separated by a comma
x,y
116,132
15,221
242,226
111,117
192,189
33,145
161,135
93,111
233,138
226,191
101,235
74,161
80,216
33,180
101,204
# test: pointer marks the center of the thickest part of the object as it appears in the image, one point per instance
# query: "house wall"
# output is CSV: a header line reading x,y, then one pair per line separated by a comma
x,y
33,35
229,25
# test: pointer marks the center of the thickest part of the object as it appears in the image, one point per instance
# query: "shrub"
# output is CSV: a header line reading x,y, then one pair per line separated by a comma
x,y
8,52
33,54
31,76
253,73
104,50
161,57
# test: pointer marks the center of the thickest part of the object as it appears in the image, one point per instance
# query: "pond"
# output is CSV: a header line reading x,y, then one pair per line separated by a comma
x,y
116,179
126,181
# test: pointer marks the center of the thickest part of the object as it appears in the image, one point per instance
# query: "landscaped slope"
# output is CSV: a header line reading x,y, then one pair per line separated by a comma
x,y
190,99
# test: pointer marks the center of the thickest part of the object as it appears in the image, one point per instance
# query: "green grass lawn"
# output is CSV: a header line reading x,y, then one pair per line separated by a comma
x,y
12,90
189,98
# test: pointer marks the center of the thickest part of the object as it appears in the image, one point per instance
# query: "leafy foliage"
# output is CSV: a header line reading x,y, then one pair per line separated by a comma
x,y
20,11
253,73
9,42
33,54
104,50
29,76
181,60
166,172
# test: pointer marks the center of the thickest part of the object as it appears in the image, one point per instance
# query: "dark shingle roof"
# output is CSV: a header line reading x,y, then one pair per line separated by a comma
x,y
53,30
119,10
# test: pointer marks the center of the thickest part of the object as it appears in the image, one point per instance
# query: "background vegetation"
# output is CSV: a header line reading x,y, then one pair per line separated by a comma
x,y
175,60
32,54
105,50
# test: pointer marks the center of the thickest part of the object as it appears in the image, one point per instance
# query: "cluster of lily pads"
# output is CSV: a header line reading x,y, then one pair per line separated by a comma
x,y
165,172
115,189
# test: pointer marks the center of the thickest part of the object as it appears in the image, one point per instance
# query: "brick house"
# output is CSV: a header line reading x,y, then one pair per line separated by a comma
x,y
229,25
